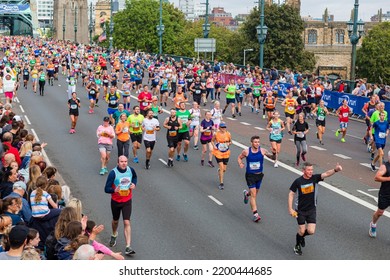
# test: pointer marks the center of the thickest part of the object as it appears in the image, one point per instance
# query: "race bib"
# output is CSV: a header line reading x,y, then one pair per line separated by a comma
x,y
113,102
92,92
345,115
73,106
207,133
382,135
254,165
172,133
124,186
105,81
321,118
145,104
125,129
303,102
276,131
290,108
223,147
149,130
197,91
300,134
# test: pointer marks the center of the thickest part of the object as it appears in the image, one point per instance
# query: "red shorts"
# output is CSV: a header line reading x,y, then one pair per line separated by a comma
x,y
9,94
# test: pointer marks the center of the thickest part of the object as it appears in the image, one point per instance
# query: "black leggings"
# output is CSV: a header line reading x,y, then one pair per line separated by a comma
x,y
41,87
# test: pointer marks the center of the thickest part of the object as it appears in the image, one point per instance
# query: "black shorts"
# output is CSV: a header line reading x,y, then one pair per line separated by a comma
x,y
318,99
223,160
230,100
136,137
276,141
320,123
114,83
383,201
172,142
149,144
248,90
269,109
26,78
74,113
183,136
138,82
197,98
118,207
288,115
309,217
368,123
104,67
239,98
253,179
204,142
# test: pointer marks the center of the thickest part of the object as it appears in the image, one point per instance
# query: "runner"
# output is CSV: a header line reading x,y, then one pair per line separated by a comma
x,y
71,85
221,142
206,135
179,97
112,99
368,109
375,117
230,90
196,89
121,182
183,133
275,127
172,124
145,100
26,75
300,129
155,107
305,189
126,88
254,173
73,106
149,126
34,78
240,91
320,113
92,90
105,134
270,105
290,104
343,112
123,136
194,128
381,131
135,121
42,82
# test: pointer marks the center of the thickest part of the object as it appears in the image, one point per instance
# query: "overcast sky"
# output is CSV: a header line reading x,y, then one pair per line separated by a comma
x,y
341,9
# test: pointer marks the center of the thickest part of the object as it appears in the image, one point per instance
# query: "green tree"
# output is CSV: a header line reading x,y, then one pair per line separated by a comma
x,y
373,57
284,46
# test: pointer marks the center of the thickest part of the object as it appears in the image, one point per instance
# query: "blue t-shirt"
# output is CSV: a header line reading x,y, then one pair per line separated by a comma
x,y
380,131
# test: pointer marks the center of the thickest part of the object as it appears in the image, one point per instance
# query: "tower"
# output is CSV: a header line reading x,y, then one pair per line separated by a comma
x,y
70,20
295,4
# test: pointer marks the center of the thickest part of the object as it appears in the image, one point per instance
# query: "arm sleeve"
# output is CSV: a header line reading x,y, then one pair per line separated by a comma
x,y
110,180
102,248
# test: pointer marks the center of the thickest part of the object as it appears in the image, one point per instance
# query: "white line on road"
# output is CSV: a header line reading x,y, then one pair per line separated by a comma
x,y
366,164
373,190
17,100
369,195
291,139
259,128
35,135
215,200
318,148
341,156
21,108
353,136
229,118
27,119
163,161
245,123
48,162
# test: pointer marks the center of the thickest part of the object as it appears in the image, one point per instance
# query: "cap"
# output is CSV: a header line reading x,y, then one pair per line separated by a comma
x,y
20,185
18,234
106,119
17,118
222,125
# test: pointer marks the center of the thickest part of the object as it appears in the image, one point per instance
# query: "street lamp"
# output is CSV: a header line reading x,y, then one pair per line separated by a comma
x,y
246,50
355,32
63,25
91,25
111,24
160,29
206,25
262,30
75,24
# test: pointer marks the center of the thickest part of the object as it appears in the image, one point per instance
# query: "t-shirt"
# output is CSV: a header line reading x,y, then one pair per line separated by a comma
x,y
40,209
149,126
380,131
306,192
300,128
184,117
207,134
5,257
104,138
135,123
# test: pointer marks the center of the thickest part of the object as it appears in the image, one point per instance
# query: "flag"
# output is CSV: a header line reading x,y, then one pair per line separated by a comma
x,y
102,37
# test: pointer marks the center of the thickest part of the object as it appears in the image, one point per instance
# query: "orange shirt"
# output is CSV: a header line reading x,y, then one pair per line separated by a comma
x,y
122,131
224,139
179,98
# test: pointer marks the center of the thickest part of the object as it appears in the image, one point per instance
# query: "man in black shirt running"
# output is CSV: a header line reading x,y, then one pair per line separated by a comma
x,y
305,204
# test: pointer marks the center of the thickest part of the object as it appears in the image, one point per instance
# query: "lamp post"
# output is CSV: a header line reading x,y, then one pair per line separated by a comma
x,y
75,24
160,29
246,50
262,30
111,25
63,25
90,23
206,25
355,32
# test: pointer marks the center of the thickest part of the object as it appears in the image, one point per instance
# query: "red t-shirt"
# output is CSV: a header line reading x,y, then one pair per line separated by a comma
x,y
344,114
142,96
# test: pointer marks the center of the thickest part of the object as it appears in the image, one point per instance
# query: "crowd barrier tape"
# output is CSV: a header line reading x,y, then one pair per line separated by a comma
x,y
332,99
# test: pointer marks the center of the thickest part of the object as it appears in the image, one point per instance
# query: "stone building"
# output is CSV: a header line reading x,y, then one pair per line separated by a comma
x,y
102,14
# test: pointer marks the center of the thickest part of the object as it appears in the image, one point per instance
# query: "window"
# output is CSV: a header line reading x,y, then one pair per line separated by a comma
x,y
312,37
340,36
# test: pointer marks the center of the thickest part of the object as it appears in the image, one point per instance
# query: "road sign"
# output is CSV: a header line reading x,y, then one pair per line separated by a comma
x,y
205,45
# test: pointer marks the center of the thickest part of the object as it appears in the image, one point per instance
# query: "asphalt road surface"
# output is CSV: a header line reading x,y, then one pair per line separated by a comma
x,y
179,213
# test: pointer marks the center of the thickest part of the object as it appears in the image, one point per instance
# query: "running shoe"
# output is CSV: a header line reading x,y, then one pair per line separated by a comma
x,y
90,111
365,140
342,140
373,168
178,157
372,231
337,133
276,165
257,111
256,217
185,157
105,170
263,116
221,186
147,165
298,250
113,240
170,163
289,132
246,196
233,116
202,162
101,171
303,157
129,251
135,160
322,143
196,147
96,105
252,109
239,113
210,163
71,131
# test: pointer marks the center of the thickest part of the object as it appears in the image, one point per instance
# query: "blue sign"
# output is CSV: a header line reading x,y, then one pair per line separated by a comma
x,y
10,8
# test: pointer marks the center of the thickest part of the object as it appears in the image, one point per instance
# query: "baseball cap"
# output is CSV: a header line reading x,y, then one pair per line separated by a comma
x,y
18,234
106,119
17,118
222,125
20,185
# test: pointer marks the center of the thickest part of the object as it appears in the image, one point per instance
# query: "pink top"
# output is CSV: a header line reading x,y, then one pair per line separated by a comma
x,y
102,248
105,139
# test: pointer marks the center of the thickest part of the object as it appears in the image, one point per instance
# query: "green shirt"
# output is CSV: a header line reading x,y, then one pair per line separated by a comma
x,y
231,91
375,117
184,117
135,123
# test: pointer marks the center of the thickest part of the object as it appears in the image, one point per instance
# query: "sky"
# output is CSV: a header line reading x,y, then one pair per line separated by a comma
x,y
341,9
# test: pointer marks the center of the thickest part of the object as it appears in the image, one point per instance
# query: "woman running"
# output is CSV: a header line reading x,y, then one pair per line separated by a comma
x,y
276,127
221,142
126,88
320,113
194,128
73,105
299,130
206,135
216,114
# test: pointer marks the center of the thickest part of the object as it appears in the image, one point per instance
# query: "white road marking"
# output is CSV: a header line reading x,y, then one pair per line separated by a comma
x,y
215,200
21,108
245,123
17,100
43,150
369,195
259,128
232,119
324,184
366,164
163,161
59,85
373,190
35,135
341,156
27,119
291,139
353,136
318,148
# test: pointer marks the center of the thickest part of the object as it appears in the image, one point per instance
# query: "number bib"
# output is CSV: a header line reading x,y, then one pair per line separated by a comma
x,y
382,135
321,118
254,165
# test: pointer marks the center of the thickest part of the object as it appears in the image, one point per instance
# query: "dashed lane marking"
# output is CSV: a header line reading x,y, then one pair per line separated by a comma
x,y
259,128
232,119
21,108
318,148
341,156
366,164
215,200
245,123
369,195
27,119
163,161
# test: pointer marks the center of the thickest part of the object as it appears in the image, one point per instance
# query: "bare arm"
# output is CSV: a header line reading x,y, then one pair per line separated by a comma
x,y
331,172
379,176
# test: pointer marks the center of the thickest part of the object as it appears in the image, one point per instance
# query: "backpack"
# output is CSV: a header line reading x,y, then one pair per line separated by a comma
x,y
50,247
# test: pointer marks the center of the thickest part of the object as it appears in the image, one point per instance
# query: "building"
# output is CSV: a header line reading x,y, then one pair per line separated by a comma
x,y
218,16
380,17
199,11
45,13
187,7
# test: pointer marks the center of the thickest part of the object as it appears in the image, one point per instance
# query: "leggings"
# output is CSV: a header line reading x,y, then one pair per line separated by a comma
x,y
298,145
41,87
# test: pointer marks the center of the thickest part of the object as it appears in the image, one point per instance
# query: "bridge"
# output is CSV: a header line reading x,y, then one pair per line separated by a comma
x,y
18,16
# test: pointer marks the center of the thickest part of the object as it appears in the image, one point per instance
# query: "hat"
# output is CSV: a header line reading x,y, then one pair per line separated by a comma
x,y
18,234
17,118
222,125
20,185
106,119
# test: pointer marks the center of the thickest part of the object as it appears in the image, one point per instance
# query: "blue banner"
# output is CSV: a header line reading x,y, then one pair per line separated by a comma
x,y
12,8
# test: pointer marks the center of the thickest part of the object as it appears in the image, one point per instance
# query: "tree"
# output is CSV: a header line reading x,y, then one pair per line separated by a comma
x,y
284,46
373,57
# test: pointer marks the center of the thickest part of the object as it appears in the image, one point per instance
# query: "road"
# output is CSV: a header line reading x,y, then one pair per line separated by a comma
x,y
179,213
